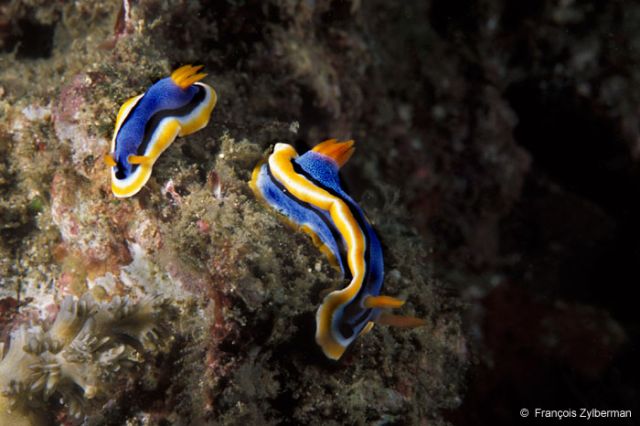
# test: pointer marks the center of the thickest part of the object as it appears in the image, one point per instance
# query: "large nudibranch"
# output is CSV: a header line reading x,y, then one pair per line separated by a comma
x,y
306,189
147,124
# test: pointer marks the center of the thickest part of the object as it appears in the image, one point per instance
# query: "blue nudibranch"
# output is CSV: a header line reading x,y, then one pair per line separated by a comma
x,y
147,124
307,190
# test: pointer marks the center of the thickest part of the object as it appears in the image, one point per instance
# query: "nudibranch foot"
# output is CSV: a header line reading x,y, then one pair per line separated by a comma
x,y
147,124
306,190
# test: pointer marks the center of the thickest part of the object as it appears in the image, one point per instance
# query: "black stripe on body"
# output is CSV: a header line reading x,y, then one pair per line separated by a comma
x,y
156,118
334,232
353,309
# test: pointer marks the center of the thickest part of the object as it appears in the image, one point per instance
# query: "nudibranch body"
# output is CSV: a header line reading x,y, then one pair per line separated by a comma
x,y
307,190
147,124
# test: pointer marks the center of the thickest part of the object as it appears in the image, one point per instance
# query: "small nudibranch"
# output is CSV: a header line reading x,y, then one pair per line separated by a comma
x,y
306,189
147,124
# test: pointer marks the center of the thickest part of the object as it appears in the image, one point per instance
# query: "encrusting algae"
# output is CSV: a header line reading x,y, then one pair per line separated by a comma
x,y
89,345
250,287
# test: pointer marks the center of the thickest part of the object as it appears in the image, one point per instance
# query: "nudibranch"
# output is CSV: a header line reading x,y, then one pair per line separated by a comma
x,y
147,124
306,189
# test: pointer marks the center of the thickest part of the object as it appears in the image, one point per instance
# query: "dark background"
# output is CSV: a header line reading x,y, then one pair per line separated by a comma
x,y
557,328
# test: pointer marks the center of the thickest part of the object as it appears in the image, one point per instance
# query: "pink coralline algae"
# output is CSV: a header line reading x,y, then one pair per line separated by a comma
x,y
72,126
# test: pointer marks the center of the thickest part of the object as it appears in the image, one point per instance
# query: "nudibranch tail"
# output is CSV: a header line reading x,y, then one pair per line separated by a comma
x,y
147,124
382,302
306,190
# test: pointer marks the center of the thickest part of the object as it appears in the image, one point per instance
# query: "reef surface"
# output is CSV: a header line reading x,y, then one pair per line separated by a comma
x,y
233,336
